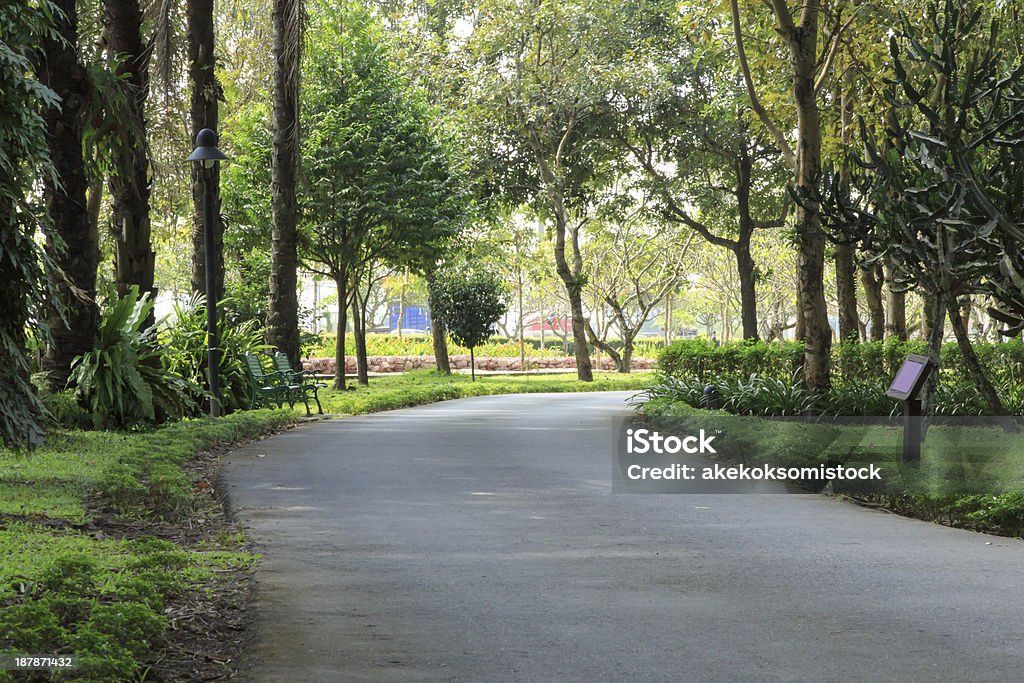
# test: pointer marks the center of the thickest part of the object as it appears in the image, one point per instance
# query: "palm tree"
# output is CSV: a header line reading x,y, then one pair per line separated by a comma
x,y
72,239
129,180
203,113
283,322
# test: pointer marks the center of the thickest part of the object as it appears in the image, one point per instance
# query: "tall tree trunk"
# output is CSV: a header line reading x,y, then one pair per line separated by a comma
x,y
846,292
803,44
799,331
741,248
341,282
472,363
871,278
846,271
129,180
283,315
203,112
71,241
985,387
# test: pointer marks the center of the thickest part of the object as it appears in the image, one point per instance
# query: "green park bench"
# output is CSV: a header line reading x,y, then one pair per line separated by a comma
x,y
302,379
266,388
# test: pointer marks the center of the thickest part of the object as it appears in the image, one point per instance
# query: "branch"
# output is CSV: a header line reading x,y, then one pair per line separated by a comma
x,y
755,103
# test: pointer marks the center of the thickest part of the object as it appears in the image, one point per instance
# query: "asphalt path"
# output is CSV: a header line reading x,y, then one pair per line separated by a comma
x,y
479,540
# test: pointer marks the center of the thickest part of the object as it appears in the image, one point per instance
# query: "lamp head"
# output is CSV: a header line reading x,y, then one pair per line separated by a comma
x,y
206,151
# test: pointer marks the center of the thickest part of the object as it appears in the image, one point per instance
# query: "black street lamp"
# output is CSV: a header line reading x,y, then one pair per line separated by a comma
x,y
208,156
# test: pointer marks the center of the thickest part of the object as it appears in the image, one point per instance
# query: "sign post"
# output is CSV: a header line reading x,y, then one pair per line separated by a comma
x,y
906,387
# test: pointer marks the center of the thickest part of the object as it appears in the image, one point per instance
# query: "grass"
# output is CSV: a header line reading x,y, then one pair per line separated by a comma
x,y
969,476
69,583
72,582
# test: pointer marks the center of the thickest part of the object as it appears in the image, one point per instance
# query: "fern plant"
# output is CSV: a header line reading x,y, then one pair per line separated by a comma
x,y
185,351
122,380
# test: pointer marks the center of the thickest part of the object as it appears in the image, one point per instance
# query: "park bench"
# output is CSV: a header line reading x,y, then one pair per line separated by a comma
x,y
300,382
266,388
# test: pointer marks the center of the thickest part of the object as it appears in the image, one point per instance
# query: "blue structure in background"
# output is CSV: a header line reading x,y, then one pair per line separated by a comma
x,y
415,318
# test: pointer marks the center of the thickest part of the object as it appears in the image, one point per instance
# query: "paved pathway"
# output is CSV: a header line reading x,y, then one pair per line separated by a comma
x,y
478,540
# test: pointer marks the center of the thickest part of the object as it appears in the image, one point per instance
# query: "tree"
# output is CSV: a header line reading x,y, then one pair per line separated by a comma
x,y
809,71
22,159
539,74
381,188
942,192
706,164
635,266
130,180
283,315
469,302
72,239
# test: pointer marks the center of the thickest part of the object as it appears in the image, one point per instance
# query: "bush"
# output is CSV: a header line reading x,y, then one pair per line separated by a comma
x,y
121,379
185,352
64,410
711,363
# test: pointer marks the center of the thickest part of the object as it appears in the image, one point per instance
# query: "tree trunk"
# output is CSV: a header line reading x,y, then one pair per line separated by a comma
x,y
71,240
935,322
985,387
626,359
871,278
129,180
522,341
748,290
472,364
803,43
896,326
668,319
283,315
574,289
203,112
359,333
846,292
439,337
799,330
341,282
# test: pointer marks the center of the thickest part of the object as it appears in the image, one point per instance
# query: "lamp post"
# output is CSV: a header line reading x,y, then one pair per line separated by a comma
x,y
207,156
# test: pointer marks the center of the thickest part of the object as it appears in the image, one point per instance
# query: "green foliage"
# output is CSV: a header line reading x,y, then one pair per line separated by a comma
x,y
121,379
380,185
23,158
185,351
63,408
468,302
708,362
750,380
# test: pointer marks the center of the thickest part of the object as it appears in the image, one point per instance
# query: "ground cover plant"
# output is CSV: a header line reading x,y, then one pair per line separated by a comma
x,y
81,570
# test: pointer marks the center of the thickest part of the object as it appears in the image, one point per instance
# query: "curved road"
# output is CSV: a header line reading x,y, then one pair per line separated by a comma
x,y
479,540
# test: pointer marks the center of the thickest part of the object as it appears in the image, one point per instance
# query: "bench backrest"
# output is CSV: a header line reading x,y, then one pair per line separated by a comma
x,y
255,369
282,365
